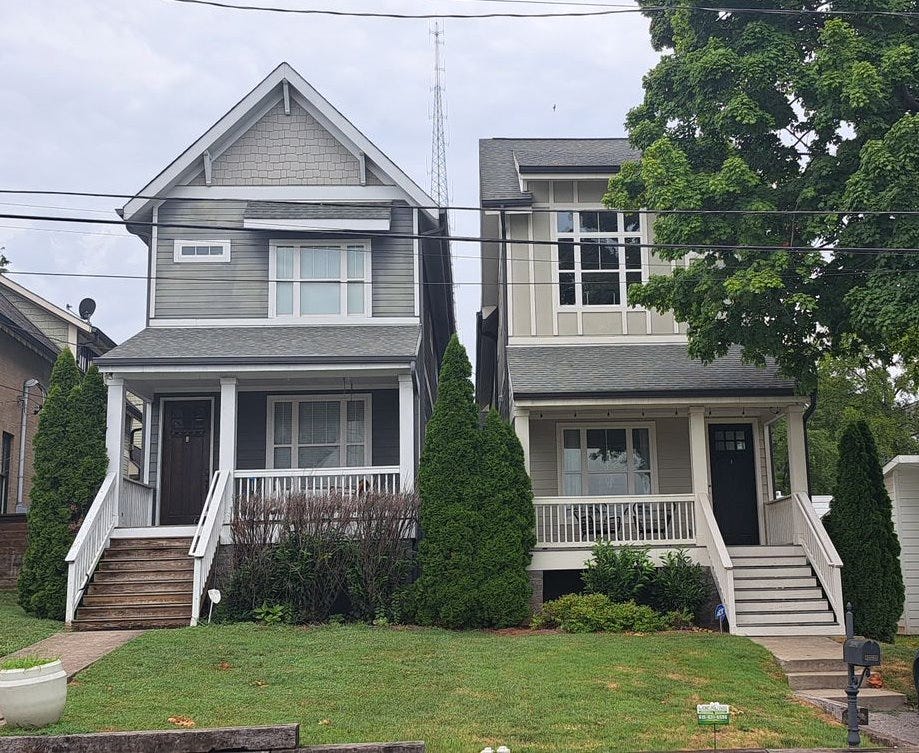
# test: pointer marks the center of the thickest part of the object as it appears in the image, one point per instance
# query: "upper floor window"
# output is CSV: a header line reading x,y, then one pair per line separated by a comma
x,y
197,251
319,279
599,257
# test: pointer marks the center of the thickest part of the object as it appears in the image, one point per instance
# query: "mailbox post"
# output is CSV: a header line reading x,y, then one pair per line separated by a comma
x,y
857,653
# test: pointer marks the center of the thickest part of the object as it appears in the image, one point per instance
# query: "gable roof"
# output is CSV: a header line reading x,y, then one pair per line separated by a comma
x,y
245,113
19,325
503,161
62,314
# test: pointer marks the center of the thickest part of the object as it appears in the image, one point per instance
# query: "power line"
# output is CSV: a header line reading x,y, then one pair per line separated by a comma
x,y
361,234
457,208
603,11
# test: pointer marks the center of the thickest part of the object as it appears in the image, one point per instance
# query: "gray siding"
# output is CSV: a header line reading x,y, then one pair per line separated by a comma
x,y
393,268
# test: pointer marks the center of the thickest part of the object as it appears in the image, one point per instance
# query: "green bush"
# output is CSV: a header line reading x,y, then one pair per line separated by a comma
x,y
680,584
595,613
620,572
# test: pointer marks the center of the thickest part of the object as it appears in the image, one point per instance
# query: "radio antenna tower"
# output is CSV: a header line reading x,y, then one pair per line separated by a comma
x,y
440,190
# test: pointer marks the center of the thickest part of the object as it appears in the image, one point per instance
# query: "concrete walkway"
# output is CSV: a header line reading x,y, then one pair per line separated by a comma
x,y
78,650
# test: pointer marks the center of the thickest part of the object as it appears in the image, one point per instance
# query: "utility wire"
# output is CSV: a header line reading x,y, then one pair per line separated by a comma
x,y
362,234
605,11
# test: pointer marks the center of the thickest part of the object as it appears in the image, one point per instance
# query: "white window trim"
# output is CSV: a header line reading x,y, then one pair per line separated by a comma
x,y
180,259
576,237
342,280
583,427
342,436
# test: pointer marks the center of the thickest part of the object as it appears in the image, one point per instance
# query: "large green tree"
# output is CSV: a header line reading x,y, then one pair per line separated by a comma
x,y
849,391
776,114
860,524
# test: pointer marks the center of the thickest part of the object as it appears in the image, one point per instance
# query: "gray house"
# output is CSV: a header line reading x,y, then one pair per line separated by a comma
x,y
626,437
299,302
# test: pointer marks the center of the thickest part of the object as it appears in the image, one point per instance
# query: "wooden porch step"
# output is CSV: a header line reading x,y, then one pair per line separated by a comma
x,y
782,605
162,586
129,623
146,564
753,583
141,575
802,571
132,611
171,542
146,552
777,561
781,550
139,599
776,593
803,617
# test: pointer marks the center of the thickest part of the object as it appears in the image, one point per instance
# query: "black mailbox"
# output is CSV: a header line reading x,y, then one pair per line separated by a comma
x,y
862,652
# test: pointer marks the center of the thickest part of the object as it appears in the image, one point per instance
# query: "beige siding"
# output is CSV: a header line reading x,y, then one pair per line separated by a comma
x,y
519,255
673,465
903,485
543,275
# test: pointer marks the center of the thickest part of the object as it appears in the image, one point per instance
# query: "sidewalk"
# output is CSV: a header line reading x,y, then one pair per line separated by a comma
x,y
78,650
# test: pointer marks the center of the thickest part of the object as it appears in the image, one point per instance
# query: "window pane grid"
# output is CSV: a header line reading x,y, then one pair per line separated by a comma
x,y
319,433
321,280
602,461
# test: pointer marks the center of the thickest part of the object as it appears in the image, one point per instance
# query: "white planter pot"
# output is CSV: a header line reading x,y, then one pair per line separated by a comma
x,y
33,697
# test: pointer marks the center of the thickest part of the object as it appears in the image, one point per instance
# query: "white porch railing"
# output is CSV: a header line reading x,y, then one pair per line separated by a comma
x,y
280,482
792,520
709,536
90,542
135,505
204,544
661,520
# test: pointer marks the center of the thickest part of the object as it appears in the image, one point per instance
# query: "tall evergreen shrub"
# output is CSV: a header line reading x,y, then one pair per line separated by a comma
x,y
43,579
860,524
446,592
508,520
86,430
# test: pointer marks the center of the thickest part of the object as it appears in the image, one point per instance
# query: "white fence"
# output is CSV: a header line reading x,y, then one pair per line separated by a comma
x,y
283,482
663,520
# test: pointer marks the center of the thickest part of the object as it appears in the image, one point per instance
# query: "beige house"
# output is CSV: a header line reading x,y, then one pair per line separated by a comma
x,y
626,437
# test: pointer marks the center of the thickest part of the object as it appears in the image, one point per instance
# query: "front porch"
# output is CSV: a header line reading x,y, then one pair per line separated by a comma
x,y
691,474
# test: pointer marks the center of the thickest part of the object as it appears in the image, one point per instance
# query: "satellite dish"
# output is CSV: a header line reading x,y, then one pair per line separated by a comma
x,y
87,307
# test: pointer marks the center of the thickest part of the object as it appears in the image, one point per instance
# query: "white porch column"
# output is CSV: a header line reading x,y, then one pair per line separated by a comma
x,y
114,428
522,428
226,460
698,450
406,433
797,452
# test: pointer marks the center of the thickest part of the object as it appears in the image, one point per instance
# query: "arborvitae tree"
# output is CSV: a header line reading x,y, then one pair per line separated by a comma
x,y
508,526
446,590
87,439
43,579
861,527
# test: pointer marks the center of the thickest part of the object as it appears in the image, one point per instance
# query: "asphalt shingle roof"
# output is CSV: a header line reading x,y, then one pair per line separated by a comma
x,y
23,327
645,369
499,159
266,345
276,210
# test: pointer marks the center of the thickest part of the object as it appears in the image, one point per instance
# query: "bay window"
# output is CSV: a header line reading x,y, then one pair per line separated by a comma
x,y
319,432
599,256
319,279
606,461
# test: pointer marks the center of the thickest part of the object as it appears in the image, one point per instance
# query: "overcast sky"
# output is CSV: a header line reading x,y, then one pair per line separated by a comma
x,y
100,95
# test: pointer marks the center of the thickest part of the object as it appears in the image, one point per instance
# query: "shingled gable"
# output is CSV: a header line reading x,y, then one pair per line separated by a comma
x,y
284,88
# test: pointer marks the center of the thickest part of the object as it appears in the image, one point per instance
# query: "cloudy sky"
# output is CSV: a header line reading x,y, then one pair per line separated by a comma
x,y
99,95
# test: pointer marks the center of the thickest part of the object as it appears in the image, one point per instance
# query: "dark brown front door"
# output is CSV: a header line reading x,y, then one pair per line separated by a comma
x,y
730,448
186,460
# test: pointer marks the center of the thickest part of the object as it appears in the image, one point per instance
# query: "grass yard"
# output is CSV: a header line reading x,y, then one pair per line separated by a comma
x,y
897,665
17,629
457,690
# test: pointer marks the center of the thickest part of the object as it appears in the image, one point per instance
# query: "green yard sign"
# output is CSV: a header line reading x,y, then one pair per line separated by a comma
x,y
713,714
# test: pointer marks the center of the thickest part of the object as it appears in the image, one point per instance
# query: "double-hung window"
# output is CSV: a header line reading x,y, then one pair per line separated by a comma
x,y
319,432
599,257
319,279
606,461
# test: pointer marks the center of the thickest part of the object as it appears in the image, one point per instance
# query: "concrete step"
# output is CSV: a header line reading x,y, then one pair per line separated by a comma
x,y
777,594
796,631
145,564
791,666
783,550
873,699
836,680
142,575
757,572
780,561
785,618
139,599
130,623
155,543
134,586
784,605
123,611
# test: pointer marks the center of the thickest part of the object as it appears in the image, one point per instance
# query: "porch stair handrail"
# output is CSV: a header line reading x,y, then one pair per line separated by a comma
x,y
207,535
708,534
90,543
811,535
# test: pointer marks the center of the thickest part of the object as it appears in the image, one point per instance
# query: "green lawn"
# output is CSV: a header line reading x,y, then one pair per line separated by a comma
x,y
897,665
17,629
457,691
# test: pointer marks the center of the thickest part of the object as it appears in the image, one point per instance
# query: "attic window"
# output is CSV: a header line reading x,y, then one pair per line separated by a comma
x,y
202,251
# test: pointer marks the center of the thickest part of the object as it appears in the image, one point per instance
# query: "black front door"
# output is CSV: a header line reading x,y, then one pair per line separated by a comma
x,y
730,448
186,460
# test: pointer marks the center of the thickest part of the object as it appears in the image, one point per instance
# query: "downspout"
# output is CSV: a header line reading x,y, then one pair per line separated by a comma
x,y
807,448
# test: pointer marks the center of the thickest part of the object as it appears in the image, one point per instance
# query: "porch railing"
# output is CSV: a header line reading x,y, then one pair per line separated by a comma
x,y
135,505
90,542
204,544
660,520
709,536
792,520
282,482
